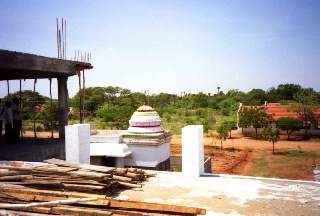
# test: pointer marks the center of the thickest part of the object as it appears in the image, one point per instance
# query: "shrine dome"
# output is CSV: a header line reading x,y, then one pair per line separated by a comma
x,y
145,120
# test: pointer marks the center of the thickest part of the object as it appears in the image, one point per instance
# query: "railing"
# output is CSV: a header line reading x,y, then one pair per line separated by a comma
x,y
40,128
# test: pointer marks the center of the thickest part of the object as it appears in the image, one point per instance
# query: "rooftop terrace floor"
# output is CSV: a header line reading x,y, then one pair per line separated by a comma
x,y
231,195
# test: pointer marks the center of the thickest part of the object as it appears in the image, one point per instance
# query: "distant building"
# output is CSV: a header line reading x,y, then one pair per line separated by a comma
x,y
145,144
277,111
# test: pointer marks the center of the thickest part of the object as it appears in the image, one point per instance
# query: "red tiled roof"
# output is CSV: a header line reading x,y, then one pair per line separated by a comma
x,y
277,111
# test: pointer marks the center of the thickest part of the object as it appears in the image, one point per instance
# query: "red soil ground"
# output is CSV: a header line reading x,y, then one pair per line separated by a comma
x,y
247,156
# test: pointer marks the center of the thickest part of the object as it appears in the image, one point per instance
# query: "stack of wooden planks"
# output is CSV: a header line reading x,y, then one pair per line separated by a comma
x,y
61,187
62,175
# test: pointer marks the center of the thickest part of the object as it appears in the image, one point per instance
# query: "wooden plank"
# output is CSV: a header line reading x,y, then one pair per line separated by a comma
x,y
155,207
61,210
53,169
84,188
42,184
89,174
5,172
121,178
84,182
150,173
18,165
19,213
132,175
49,203
96,168
79,211
15,178
60,181
25,194
130,185
69,210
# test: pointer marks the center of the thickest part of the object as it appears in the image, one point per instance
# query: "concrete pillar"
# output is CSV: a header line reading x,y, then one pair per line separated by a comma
x,y
192,151
78,143
63,107
119,162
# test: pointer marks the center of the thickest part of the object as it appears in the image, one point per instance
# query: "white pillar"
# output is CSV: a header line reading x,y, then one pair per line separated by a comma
x,y
77,138
192,151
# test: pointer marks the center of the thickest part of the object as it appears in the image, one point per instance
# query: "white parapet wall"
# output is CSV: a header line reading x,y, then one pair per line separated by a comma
x,y
77,139
192,151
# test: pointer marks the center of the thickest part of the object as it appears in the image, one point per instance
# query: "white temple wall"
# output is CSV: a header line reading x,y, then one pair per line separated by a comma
x,y
109,149
147,155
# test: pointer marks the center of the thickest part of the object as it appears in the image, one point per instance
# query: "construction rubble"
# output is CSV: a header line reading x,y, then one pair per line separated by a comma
x,y
60,187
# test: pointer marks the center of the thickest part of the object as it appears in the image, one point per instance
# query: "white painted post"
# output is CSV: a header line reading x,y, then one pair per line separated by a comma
x,y
77,139
192,151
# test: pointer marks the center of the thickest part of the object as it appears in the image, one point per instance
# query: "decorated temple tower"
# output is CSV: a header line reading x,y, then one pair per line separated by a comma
x,y
147,140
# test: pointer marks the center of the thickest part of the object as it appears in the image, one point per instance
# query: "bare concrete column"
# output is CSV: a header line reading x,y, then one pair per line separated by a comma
x,y
63,106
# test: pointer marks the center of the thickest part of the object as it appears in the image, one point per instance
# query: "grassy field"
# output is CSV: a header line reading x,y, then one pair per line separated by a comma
x,y
289,164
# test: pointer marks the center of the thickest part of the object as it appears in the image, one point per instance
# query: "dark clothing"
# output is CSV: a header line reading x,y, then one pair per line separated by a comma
x,y
16,131
1,123
8,133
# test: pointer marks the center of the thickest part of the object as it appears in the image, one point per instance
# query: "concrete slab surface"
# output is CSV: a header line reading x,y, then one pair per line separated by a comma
x,y
231,195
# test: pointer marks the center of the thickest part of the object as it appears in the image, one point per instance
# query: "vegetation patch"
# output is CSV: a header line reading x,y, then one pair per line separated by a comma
x,y
296,153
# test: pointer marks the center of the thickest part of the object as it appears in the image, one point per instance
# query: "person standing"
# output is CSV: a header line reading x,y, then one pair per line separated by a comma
x,y
17,123
8,121
1,120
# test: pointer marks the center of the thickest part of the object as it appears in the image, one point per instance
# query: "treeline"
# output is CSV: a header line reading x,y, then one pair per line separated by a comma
x,y
115,104
95,97
111,107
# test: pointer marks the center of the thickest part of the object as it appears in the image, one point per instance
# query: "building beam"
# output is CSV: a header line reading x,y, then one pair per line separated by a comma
x,y
16,65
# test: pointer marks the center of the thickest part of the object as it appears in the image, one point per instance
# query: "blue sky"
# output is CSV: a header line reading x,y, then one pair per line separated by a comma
x,y
173,46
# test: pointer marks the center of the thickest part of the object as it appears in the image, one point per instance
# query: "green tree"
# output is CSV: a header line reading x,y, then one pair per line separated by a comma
x,y
117,116
307,99
254,117
229,125
256,96
236,95
29,100
244,118
94,98
289,125
271,135
287,91
227,106
259,119
200,100
222,131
